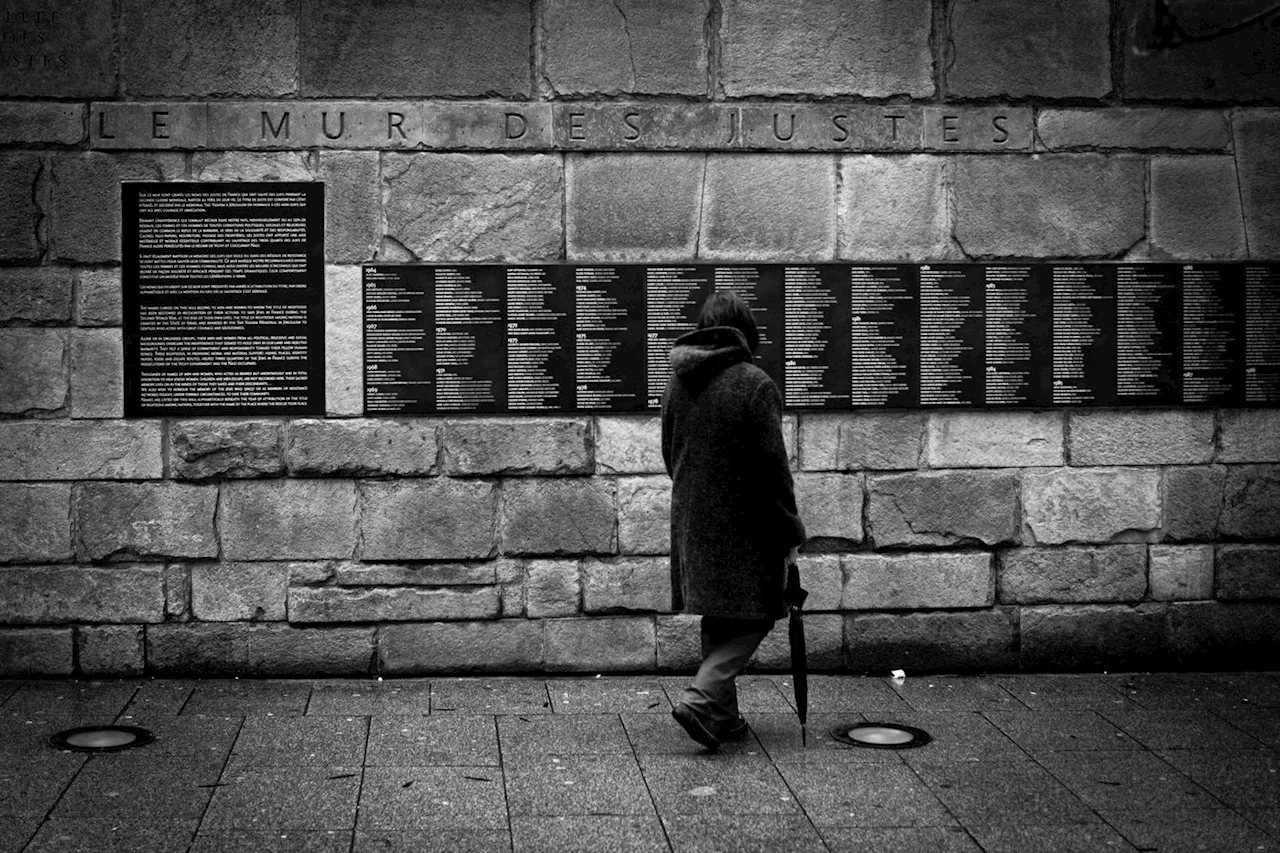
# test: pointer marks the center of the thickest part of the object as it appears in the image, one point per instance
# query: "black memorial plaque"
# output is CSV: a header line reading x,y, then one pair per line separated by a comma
x,y
816,347
884,339
761,287
470,339
399,354
540,347
1213,330
951,335
1084,334
1018,361
1262,335
609,321
673,295
223,298
1148,334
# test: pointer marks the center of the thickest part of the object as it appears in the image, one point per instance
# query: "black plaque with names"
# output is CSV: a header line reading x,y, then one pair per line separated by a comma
x,y
470,339
760,286
1148,335
1084,334
952,357
1213,330
1262,335
673,295
399,353
884,338
1018,361
610,365
540,348
816,337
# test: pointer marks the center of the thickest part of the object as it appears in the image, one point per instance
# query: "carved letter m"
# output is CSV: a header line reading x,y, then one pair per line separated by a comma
x,y
275,129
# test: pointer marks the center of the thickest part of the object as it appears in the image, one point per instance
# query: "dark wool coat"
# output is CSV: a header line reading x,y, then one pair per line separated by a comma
x,y
733,506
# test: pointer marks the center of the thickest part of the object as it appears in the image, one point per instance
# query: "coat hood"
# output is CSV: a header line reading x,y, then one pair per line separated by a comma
x,y
700,355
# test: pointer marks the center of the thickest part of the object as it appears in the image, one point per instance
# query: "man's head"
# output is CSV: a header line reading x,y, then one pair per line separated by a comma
x,y
727,308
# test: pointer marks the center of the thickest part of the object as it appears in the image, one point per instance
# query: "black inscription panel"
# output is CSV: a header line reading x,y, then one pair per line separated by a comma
x,y
816,366
1084,335
1212,334
1018,360
1148,334
884,336
951,328
1262,335
223,298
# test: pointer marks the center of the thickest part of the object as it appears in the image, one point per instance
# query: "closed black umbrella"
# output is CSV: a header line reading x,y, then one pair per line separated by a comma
x,y
796,595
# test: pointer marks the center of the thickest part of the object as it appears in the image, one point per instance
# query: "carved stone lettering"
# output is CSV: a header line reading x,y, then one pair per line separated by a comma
x,y
151,125
978,128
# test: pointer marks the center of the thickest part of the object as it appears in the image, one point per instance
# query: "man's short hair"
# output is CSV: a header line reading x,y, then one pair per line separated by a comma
x,y
727,308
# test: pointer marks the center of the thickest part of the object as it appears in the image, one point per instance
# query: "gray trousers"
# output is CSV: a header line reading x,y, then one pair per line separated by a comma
x,y
727,646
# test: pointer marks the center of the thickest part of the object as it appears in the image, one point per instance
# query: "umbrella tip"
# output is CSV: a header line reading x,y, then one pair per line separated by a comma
x,y
804,735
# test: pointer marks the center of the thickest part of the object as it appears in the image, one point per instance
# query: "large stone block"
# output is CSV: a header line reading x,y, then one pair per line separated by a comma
x,y
867,48
822,576
437,519
19,213
266,650
994,439
33,370
830,505
1091,505
915,581
1141,437
1248,572
97,373
116,521
98,297
37,522
1072,575
517,446
1134,127
981,640
473,207
1219,635
233,166
1192,498
89,450
1093,637
893,209
114,651
35,294
627,585
1249,435
238,592
362,447
1258,165
1251,502
1195,209
36,651
943,508
1180,572
287,519
679,643
823,640
559,516
44,595
609,644
343,342
199,450
628,445
41,122
769,207
881,441
84,224
1055,205
552,588
58,49
507,645
644,515
413,574
406,604
351,201
634,207
177,592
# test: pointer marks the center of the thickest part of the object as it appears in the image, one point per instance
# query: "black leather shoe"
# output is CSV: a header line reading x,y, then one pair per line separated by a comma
x,y
694,727
736,730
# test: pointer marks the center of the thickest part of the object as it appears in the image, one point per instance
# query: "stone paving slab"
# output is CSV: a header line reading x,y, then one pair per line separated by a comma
x,y
285,798
944,839
608,696
273,841
745,833
111,836
588,833
404,798
555,734
293,741
462,740
370,698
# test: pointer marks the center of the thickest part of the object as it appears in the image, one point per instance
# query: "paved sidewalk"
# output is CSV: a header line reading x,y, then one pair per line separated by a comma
x,y
1018,763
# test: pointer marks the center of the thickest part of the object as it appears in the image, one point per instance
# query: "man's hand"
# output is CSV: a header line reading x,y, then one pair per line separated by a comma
x,y
792,557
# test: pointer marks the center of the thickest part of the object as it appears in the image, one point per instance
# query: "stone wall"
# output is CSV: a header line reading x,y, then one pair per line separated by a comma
x,y
647,131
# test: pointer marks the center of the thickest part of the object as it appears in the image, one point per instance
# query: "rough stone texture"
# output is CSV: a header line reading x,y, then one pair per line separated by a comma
x,y
768,207
18,211
1258,165
1091,505
1072,575
1141,437
343,342
37,522
913,581
115,651
41,122
232,166
552,588
1068,205
145,520
1195,209
609,644
198,47
352,225
511,589
438,519
876,441
1251,502
364,447
33,370
633,207
202,449
822,576
258,650
633,46
98,295
97,373
508,645
1007,48
982,640
287,519
69,56
479,49
414,574
994,439
1093,637
1192,499
177,592
559,516
412,604
679,643
628,445
1134,128
238,592
894,209
36,651
823,640
943,508
35,294
1249,435
473,207
1205,634
627,585
61,450
867,48
35,595
644,515
1181,572
310,573
517,446
84,224
984,128
831,506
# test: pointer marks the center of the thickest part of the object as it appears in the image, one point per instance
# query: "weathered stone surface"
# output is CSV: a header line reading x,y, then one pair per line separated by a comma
x,y
287,519
511,588
982,640
866,50
352,225
1209,635
35,595
644,515
18,211
437,519
115,651
62,450
1249,435
98,295
1141,437
361,447
343,342
893,209
472,207
411,604
628,445
830,505
202,449
508,645
552,588
943,508
517,446
644,126
1192,500
36,651
994,439
1133,128
999,128
627,585
1072,575
238,592
33,370
633,207
1251,502
1181,572
610,644
37,522
922,580
414,574
314,572
679,643
1064,205
233,166
185,47
147,520
97,373
84,224
151,125
59,49
1093,637
559,516
861,440
478,125
1012,49
177,592
35,294
231,648
822,576
1195,209
823,640
1258,164
768,207
1091,505
634,47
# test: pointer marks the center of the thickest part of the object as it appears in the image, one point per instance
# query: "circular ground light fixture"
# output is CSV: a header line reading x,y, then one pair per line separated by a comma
x,y
101,738
881,735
